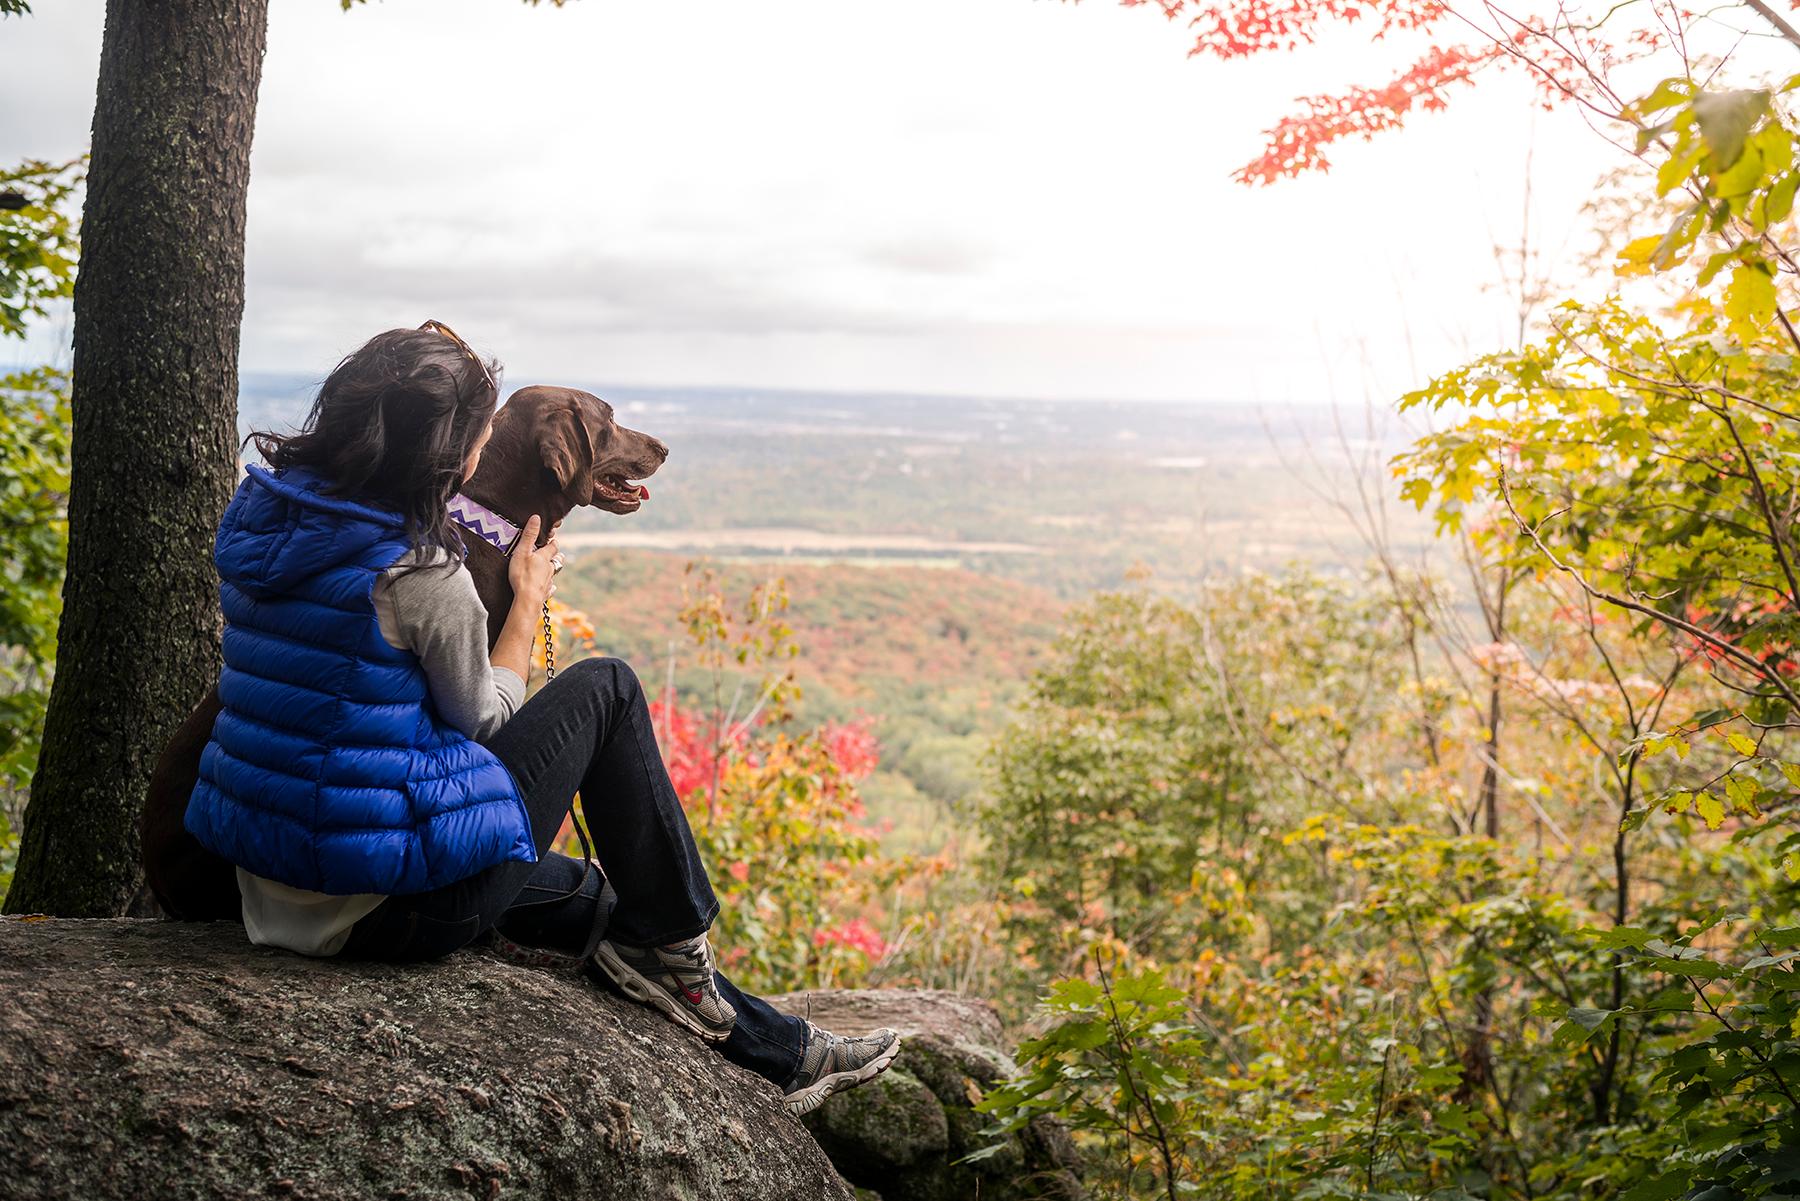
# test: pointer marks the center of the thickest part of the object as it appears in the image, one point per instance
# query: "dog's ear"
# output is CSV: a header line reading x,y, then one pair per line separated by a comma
x,y
567,453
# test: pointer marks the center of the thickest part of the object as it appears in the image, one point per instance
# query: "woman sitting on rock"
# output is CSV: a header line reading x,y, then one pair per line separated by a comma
x,y
373,773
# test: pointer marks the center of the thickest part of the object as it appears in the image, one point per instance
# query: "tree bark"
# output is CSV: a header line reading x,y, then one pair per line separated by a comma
x,y
1478,1061
158,303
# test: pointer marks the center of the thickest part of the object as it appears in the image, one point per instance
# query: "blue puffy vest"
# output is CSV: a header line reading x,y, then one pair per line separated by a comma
x,y
328,768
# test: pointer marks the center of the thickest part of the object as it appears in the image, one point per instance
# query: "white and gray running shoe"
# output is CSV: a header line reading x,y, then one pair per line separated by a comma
x,y
677,979
832,1063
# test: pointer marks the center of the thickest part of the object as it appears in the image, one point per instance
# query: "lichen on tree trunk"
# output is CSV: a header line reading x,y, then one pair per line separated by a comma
x,y
158,302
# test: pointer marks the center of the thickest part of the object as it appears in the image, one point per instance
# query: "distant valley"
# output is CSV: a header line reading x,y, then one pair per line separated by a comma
x,y
929,544
1066,495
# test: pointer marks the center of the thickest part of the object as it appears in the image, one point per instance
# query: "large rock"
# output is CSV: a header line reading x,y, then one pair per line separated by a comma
x,y
144,1059
898,1136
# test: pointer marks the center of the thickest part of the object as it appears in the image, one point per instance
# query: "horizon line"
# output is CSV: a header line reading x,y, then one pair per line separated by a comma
x,y
874,393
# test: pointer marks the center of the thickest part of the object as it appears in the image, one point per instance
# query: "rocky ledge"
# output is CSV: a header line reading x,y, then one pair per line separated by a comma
x,y
153,1059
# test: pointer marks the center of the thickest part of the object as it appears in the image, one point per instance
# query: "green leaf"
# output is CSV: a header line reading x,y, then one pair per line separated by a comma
x,y
1725,120
984,1153
1742,176
1672,1181
1674,171
1583,1024
1704,969
1670,93
1780,201
1762,961
1619,936
1589,1019
1715,264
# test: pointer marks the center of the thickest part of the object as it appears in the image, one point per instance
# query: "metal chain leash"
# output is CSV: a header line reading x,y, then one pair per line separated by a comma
x,y
589,863
549,645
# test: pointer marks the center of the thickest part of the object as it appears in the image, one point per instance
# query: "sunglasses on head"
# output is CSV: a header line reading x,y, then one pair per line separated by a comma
x,y
440,327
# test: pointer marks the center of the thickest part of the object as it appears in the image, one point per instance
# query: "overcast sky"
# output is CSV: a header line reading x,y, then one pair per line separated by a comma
x,y
1010,197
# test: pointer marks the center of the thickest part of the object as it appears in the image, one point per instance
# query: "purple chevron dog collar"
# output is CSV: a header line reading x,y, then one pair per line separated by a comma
x,y
484,523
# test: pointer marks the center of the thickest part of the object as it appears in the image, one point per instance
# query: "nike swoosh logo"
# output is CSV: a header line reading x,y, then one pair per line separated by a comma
x,y
694,996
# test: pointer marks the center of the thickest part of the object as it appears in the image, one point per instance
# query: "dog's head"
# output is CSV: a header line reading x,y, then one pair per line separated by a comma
x,y
563,445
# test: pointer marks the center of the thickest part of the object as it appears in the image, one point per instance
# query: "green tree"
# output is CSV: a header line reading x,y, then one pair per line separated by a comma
x,y
34,488
1648,461
37,268
1120,1060
1102,791
1595,996
37,240
1144,784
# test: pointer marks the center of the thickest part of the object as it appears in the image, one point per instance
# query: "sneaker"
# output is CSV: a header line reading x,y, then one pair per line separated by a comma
x,y
677,979
832,1063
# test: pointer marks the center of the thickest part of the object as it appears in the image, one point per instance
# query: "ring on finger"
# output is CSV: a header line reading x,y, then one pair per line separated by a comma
x,y
556,563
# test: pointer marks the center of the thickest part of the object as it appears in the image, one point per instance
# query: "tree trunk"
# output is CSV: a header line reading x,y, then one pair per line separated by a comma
x,y
1478,1060
158,302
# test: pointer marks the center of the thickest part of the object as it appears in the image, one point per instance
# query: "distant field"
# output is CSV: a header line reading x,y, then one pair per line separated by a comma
x,y
934,655
786,541
930,543
1068,496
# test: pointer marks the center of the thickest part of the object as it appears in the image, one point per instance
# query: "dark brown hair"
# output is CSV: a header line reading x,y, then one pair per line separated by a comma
x,y
393,425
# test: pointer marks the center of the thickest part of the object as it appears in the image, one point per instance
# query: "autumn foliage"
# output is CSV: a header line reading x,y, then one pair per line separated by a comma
x,y
775,809
794,862
1438,48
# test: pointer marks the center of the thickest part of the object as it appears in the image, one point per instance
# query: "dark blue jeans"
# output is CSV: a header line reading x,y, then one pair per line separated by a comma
x,y
588,730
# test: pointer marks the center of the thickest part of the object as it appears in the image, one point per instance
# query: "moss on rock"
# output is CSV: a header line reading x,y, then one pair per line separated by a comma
x,y
900,1135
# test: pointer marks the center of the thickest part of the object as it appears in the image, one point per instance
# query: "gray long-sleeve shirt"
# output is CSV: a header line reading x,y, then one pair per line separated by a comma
x,y
435,613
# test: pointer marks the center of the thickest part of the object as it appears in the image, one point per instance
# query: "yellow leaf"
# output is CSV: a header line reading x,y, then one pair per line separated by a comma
x,y
1634,259
1749,300
1710,810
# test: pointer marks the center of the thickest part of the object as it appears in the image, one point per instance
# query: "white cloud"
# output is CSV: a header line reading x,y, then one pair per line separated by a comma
x,y
946,195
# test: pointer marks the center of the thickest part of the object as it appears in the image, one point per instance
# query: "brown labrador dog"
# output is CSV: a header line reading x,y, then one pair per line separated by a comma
x,y
553,450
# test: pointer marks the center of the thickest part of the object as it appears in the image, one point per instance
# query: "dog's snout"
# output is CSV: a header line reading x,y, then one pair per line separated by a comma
x,y
658,449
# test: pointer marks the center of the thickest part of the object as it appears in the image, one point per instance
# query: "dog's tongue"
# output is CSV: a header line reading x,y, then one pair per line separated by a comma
x,y
643,492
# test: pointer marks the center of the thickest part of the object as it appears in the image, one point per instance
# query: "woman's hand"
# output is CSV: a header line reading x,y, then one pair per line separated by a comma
x,y
531,572
532,569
